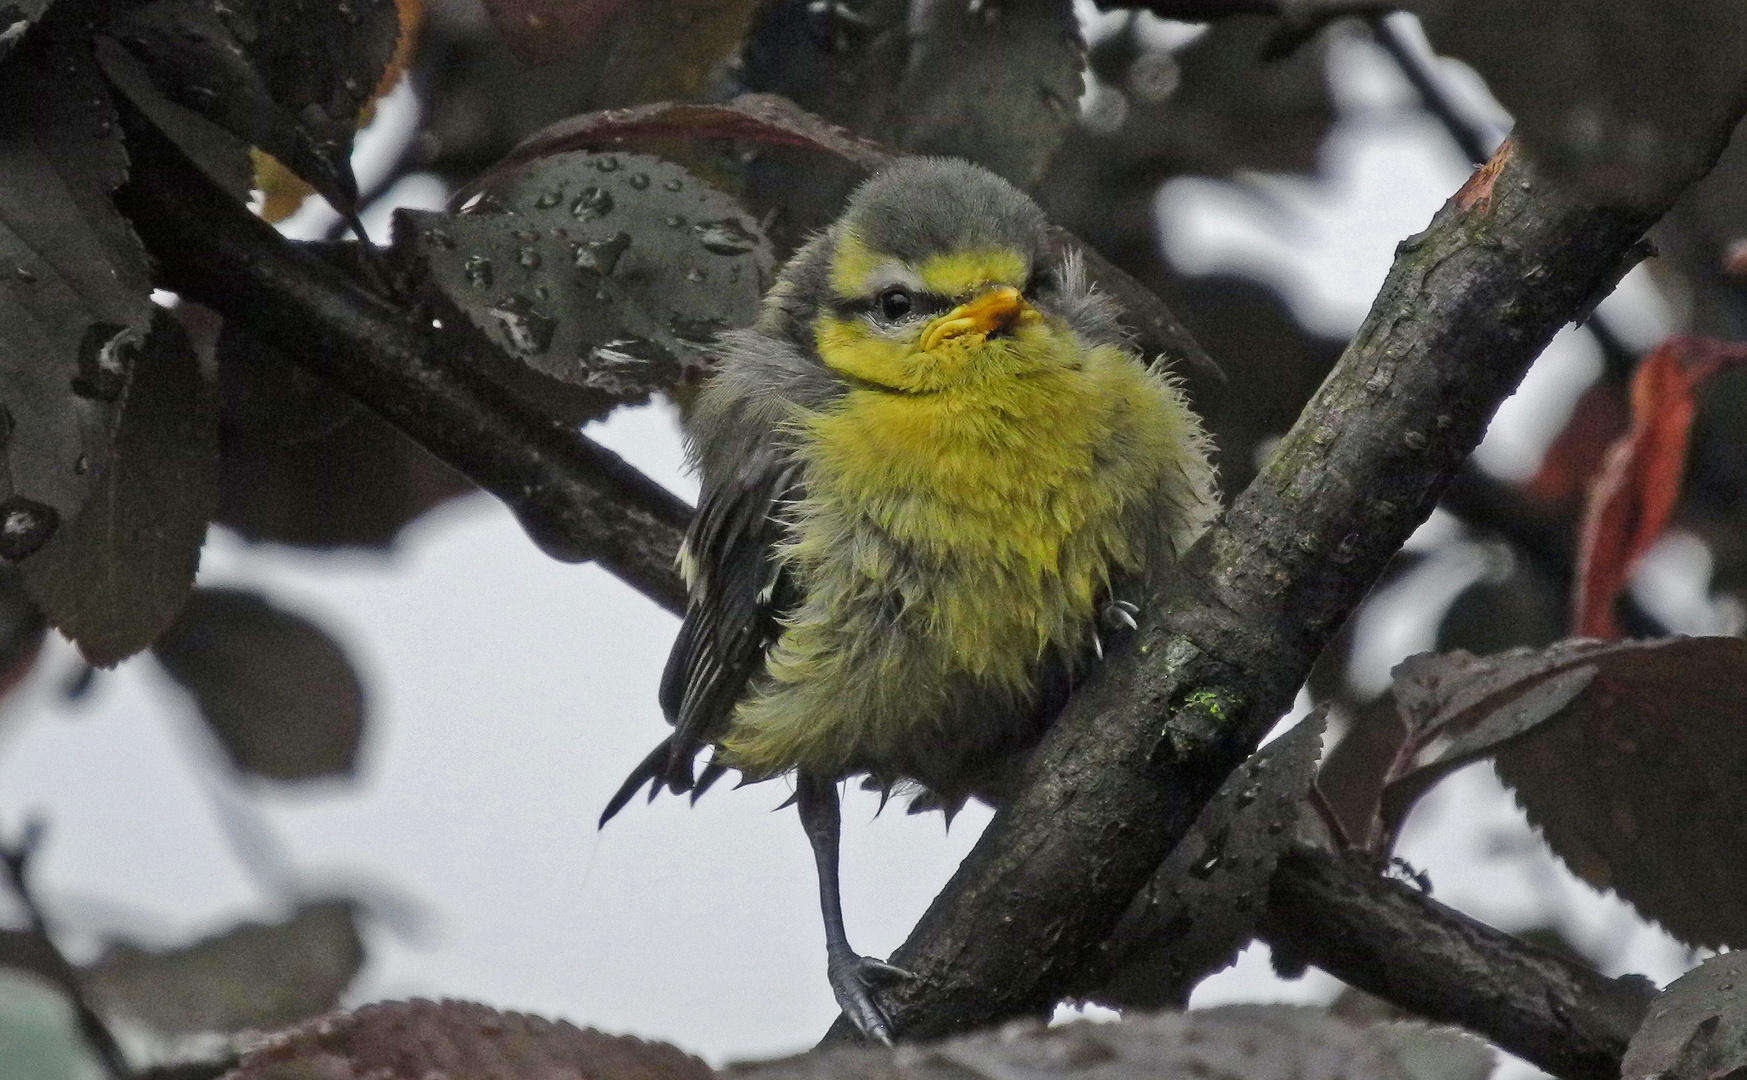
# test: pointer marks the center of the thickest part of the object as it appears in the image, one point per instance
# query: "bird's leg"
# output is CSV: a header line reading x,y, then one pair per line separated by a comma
x,y
853,977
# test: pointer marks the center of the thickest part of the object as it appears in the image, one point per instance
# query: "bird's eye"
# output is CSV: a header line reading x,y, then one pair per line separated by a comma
x,y
895,304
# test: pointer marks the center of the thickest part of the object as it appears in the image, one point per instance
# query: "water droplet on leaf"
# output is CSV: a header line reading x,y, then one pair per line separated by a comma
x,y
674,184
607,164
601,256
639,181
591,203
673,221
549,198
528,258
529,332
25,525
440,239
695,273
725,237
25,276
105,355
478,271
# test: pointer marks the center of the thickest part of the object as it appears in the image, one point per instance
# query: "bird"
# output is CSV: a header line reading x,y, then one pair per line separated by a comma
x,y
936,477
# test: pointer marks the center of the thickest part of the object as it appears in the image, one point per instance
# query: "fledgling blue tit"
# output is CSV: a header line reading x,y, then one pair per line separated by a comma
x,y
932,471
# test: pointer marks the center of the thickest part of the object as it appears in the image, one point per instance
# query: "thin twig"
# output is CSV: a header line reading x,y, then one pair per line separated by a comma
x,y
1476,138
50,962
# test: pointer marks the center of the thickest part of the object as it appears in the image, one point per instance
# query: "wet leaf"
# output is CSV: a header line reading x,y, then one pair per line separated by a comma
x,y
1696,1028
1200,909
1616,97
254,977
760,118
1637,783
599,277
1256,1042
456,1040
115,576
288,76
997,82
74,288
275,689
222,156
546,31
1633,495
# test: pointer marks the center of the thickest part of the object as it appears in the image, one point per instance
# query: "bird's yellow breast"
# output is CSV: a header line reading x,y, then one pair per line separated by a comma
x,y
955,536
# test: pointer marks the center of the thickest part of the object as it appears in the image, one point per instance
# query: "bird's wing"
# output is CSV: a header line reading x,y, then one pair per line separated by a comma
x,y
738,595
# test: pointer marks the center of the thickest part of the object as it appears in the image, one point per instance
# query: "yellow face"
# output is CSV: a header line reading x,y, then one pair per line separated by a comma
x,y
953,320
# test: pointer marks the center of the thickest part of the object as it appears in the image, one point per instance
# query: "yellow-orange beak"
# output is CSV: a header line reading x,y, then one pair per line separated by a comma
x,y
995,310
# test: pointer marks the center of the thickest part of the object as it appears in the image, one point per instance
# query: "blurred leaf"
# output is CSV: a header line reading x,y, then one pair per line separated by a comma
x,y
301,463
670,50
1255,1042
1616,97
1633,495
544,31
424,1040
1600,417
288,76
276,690
74,287
359,485
218,153
253,977
600,277
114,577
1697,1027
1200,909
39,1038
1637,784
1227,109
997,82
1518,607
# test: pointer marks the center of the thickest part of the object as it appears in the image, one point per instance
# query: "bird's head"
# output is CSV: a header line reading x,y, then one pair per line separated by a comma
x,y
935,278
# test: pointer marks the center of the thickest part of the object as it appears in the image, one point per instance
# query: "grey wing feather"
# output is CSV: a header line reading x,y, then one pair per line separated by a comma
x,y
739,593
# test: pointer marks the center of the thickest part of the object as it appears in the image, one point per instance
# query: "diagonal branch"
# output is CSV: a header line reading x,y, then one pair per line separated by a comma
x,y
1390,940
1466,308
575,497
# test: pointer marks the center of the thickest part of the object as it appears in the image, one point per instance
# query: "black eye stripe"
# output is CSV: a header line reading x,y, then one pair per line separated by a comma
x,y
921,303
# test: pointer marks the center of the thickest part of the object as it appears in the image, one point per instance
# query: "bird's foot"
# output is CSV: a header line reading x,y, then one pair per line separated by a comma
x,y
853,980
1117,616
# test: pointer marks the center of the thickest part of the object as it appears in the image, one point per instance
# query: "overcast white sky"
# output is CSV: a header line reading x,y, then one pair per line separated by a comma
x,y
511,693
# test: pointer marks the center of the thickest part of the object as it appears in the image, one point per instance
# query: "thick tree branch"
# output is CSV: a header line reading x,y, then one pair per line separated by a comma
x,y
1466,308
1385,937
578,499
1224,646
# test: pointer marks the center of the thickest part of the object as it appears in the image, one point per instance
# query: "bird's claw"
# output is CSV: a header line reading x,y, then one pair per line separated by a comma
x,y
853,981
1118,617
1120,613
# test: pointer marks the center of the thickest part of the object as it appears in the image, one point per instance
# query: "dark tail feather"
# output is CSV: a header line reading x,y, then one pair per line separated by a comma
x,y
712,773
651,770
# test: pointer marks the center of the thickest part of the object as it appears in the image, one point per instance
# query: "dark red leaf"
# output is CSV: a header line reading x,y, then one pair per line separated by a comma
x,y
1634,494
761,118
1602,415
